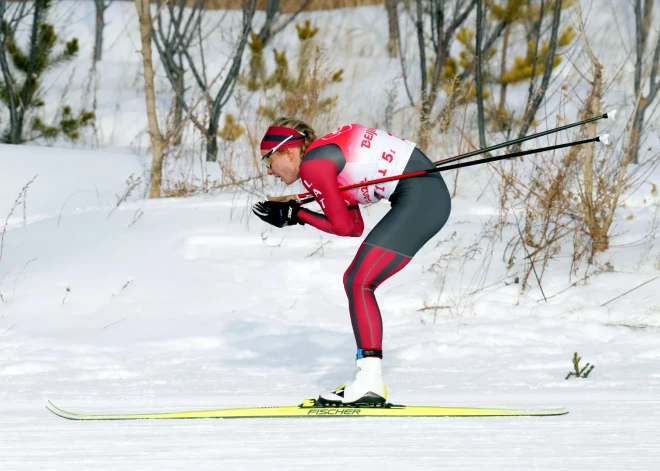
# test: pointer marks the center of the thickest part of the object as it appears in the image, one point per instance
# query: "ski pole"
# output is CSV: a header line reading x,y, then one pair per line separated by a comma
x,y
304,198
608,115
604,139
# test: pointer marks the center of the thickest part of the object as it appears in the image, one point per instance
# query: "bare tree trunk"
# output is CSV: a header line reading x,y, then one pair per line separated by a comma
x,y
266,31
178,108
157,141
648,18
227,87
597,231
636,132
393,23
421,43
426,107
23,103
212,138
441,36
100,24
497,123
642,22
638,120
536,97
478,78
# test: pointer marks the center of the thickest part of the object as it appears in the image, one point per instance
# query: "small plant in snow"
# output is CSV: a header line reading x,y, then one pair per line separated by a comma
x,y
580,372
131,184
66,293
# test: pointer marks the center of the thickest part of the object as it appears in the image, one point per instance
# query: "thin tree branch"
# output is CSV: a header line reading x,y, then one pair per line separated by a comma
x,y
630,291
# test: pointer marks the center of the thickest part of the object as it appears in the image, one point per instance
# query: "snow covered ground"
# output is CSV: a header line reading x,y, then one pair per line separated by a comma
x,y
193,306
190,303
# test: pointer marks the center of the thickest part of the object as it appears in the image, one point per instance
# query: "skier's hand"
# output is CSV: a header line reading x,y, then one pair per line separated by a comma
x,y
278,214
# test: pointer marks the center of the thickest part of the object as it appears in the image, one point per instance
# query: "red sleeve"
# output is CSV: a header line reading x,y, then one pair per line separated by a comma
x,y
319,176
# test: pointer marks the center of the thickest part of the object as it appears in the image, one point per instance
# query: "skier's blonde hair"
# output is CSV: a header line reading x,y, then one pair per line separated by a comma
x,y
300,126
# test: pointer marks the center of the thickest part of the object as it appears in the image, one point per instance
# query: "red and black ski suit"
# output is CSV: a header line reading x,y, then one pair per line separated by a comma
x,y
420,208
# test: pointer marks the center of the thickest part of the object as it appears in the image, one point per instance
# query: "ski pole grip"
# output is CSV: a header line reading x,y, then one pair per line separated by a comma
x,y
283,199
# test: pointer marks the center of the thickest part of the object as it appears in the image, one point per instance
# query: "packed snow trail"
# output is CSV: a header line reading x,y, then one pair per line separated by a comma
x,y
602,435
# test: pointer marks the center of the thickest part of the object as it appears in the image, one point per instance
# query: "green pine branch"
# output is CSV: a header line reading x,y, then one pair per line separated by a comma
x,y
580,372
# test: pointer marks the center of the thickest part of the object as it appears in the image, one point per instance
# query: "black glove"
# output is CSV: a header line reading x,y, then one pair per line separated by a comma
x,y
278,214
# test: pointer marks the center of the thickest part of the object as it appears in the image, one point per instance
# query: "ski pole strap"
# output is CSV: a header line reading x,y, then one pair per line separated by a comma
x,y
369,353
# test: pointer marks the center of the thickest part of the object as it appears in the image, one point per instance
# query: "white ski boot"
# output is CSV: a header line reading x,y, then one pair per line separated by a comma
x,y
366,389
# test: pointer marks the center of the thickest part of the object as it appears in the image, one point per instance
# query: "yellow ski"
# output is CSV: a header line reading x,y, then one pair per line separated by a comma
x,y
309,408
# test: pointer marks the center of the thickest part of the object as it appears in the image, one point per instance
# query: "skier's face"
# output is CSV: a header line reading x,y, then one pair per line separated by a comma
x,y
285,164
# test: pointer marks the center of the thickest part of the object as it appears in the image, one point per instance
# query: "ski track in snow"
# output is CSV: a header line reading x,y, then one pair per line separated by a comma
x,y
585,439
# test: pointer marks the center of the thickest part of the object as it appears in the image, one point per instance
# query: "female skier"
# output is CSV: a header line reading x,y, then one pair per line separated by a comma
x,y
420,208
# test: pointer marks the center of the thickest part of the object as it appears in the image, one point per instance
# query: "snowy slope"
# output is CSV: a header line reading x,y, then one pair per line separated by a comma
x,y
191,305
